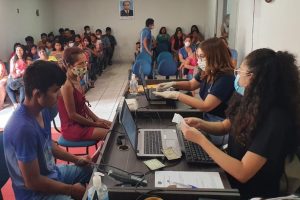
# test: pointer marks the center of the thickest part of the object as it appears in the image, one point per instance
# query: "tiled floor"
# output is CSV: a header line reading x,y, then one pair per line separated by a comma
x,y
104,99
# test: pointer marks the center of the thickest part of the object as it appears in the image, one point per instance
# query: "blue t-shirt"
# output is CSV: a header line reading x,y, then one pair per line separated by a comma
x,y
146,33
25,140
184,53
222,88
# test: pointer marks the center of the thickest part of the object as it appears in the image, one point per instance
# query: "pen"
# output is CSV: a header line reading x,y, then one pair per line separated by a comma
x,y
184,185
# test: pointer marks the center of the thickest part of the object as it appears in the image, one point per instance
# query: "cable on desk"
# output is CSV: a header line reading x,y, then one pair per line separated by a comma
x,y
140,174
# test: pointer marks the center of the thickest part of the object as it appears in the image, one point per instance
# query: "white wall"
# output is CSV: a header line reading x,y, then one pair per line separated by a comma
x,y
15,27
276,26
103,13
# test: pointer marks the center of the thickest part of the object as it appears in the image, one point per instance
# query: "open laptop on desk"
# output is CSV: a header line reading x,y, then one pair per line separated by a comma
x,y
147,142
151,98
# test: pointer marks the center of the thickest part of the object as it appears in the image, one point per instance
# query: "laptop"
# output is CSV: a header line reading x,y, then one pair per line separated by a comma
x,y
148,142
149,91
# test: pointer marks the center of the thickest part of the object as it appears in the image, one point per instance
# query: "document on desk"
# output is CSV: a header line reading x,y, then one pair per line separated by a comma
x,y
182,179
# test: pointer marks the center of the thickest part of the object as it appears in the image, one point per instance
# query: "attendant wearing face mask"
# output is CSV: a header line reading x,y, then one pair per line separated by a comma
x,y
183,54
78,122
215,81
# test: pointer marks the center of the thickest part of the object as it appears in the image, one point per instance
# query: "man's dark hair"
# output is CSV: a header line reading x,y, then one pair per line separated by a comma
x,y
44,34
61,30
42,75
126,1
99,30
72,32
86,27
50,34
149,22
29,39
108,29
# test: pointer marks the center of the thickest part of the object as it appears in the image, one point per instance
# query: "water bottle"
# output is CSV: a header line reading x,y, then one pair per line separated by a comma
x,y
98,191
133,85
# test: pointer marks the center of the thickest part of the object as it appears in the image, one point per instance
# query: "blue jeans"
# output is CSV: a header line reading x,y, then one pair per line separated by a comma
x,y
69,174
216,140
189,76
12,94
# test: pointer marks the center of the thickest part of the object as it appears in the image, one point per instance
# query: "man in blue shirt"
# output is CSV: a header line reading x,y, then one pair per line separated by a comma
x,y
146,37
29,149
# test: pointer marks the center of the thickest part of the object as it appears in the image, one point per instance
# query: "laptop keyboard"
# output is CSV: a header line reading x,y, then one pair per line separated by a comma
x,y
195,154
152,142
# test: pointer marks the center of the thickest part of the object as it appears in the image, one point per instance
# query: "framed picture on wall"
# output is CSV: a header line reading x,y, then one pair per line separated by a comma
x,y
126,9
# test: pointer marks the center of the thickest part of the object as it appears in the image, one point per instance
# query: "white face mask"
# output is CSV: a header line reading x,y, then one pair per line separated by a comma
x,y
187,44
201,64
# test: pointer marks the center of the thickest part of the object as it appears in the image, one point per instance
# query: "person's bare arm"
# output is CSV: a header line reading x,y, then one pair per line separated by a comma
x,y
242,170
62,154
187,85
215,128
12,69
35,181
145,44
210,102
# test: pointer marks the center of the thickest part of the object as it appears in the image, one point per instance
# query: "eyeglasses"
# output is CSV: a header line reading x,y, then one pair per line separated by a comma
x,y
240,72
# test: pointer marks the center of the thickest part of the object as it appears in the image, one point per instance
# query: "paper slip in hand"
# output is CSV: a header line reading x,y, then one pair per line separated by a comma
x,y
154,164
177,118
170,153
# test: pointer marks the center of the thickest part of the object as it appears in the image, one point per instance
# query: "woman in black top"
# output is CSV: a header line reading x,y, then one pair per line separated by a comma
x,y
262,122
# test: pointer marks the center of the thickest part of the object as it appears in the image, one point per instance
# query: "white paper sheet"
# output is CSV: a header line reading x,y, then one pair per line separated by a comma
x,y
177,118
184,179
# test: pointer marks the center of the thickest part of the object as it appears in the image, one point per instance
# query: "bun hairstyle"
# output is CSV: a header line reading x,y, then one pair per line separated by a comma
x,y
71,56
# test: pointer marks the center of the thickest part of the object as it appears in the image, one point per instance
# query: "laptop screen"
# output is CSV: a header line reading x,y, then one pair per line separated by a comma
x,y
129,124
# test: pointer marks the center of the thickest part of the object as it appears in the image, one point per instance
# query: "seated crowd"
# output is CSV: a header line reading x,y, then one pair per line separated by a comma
x,y
98,49
183,48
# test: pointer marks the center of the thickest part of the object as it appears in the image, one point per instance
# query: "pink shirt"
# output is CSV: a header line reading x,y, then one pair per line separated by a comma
x,y
193,62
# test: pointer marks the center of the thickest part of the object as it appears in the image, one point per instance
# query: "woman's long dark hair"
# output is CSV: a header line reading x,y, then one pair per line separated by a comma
x,y
274,83
24,53
161,29
178,41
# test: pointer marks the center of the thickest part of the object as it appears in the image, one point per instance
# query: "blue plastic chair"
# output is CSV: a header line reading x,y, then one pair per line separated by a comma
x,y
142,65
163,55
4,175
144,56
167,67
162,47
75,144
